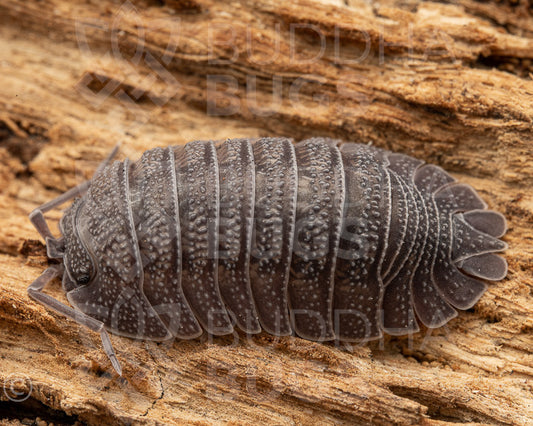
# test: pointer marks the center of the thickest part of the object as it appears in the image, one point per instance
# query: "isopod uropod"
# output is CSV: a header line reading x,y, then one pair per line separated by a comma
x,y
324,239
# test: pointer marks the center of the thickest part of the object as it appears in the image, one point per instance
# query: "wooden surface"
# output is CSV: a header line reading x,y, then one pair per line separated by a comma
x,y
448,83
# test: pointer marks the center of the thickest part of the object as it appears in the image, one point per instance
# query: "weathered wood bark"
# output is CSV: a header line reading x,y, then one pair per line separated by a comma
x,y
448,83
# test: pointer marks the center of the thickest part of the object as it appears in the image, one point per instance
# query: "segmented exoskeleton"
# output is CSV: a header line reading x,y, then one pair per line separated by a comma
x,y
324,239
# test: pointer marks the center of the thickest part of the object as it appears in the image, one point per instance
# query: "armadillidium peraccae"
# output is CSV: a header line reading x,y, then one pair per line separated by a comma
x,y
324,239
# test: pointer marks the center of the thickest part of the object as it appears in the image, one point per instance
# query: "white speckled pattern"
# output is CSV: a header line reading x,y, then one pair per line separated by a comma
x,y
324,239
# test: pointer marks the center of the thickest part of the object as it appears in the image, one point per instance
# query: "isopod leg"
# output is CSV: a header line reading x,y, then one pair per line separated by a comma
x,y
37,215
35,291
108,159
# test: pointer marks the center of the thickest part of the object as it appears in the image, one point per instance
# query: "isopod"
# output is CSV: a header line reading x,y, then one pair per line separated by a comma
x,y
323,239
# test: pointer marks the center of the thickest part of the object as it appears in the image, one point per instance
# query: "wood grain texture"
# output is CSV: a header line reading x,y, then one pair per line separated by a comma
x,y
447,82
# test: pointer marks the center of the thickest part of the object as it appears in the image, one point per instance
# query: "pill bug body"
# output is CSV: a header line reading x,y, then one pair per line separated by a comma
x,y
323,239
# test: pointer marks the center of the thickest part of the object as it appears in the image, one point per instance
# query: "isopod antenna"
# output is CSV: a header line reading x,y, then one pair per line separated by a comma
x,y
55,247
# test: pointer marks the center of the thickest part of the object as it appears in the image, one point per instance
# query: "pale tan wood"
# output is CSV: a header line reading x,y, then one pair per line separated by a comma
x,y
432,93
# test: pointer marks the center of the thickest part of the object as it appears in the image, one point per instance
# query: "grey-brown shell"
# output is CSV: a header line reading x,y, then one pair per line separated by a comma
x,y
325,239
